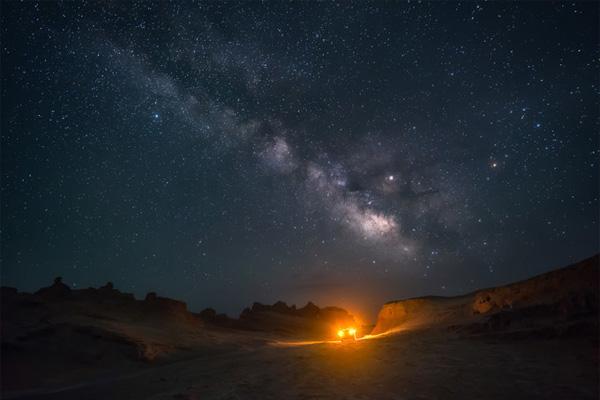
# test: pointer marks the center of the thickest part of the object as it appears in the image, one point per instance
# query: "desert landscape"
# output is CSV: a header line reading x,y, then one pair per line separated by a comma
x,y
532,339
265,200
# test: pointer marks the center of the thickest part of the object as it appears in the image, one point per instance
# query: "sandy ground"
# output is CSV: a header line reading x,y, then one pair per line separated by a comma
x,y
411,365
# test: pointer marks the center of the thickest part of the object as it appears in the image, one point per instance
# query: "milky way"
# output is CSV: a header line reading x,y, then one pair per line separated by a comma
x,y
348,153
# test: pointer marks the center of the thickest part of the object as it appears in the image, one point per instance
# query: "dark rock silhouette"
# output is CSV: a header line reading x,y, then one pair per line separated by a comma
x,y
310,320
103,329
150,297
57,290
208,314
166,305
309,310
94,324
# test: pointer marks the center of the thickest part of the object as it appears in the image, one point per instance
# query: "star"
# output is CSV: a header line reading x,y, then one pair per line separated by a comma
x,y
271,128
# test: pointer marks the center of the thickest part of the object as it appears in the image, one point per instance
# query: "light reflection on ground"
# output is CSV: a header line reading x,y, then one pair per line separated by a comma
x,y
337,342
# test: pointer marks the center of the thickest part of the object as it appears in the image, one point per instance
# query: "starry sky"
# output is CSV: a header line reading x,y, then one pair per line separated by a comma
x,y
347,153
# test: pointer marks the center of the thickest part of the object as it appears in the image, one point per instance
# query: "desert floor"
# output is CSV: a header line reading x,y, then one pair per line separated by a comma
x,y
410,365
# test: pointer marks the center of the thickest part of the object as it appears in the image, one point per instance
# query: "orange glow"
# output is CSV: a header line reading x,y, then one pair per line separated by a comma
x,y
347,333
336,342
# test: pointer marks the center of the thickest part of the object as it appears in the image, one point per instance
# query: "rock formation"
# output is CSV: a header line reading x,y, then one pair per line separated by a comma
x,y
57,290
560,296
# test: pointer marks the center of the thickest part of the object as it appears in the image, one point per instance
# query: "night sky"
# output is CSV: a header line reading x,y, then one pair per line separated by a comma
x,y
344,153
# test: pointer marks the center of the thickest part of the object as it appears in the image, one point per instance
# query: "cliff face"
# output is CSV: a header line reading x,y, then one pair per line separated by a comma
x,y
572,288
420,312
559,296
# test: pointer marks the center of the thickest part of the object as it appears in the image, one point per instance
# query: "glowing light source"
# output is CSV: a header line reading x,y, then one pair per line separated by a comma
x,y
349,333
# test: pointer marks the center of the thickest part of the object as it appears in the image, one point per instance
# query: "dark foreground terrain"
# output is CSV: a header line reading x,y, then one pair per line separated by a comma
x,y
536,339
413,365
